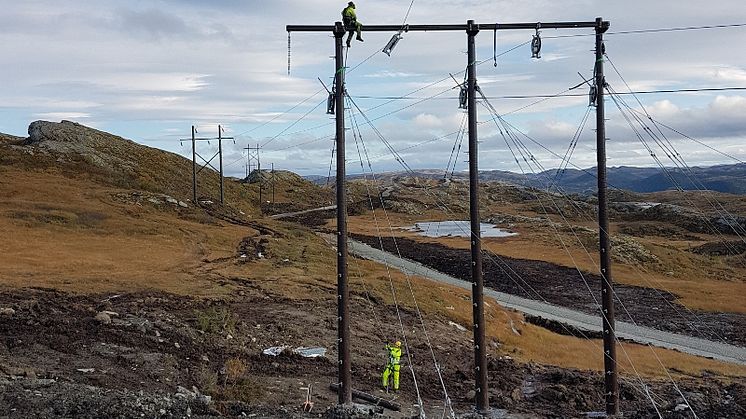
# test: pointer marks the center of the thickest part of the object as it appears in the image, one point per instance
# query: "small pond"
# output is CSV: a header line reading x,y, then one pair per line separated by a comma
x,y
457,229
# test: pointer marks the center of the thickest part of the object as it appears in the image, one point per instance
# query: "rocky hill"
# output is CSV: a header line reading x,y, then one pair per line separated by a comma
x,y
77,151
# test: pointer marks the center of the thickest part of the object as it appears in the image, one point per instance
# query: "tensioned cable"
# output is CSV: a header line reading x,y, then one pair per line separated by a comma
x,y
620,105
722,153
675,157
623,306
281,114
678,161
655,30
572,201
552,96
508,124
331,162
294,123
516,142
390,101
532,159
453,158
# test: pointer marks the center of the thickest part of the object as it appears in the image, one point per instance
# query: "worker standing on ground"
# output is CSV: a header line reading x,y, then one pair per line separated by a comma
x,y
392,366
349,19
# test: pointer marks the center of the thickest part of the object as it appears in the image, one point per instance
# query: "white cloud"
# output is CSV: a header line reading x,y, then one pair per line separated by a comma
x,y
157,66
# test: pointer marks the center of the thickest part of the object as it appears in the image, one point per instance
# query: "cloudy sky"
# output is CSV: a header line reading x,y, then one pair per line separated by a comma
x,y
148,70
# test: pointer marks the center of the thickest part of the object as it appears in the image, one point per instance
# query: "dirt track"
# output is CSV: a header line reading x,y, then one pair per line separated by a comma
x,y
565,287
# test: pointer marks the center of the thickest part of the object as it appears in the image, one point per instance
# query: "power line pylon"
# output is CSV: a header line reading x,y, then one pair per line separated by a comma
x,y
480,361
207,162
253,160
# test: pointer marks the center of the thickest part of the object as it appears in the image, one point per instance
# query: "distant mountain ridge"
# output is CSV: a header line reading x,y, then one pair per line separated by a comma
x,y
721,178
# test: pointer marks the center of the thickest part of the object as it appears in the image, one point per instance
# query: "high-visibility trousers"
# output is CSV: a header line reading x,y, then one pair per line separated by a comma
x,y
391,370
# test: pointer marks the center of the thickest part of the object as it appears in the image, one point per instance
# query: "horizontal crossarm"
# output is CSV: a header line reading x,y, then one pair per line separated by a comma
x,y
459,27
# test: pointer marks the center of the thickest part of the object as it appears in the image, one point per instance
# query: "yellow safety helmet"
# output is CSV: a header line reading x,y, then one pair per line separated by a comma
x,y
397,344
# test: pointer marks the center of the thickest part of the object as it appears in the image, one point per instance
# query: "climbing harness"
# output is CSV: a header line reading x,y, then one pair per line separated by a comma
x,y
536,43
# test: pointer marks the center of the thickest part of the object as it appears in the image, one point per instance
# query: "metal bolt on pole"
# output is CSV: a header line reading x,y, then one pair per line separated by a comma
x,y
611,385
477,288
343,308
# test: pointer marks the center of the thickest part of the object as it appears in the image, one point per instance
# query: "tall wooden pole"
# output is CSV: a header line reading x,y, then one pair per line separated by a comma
x,y
477,285
343,295
611,385
220,152
194,168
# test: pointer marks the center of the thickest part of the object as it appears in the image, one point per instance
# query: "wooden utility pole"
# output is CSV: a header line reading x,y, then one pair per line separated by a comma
x,y
343,293
477,280
611,384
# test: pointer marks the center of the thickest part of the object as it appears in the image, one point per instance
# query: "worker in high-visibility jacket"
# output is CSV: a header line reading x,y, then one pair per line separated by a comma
x,y
392,366
349,19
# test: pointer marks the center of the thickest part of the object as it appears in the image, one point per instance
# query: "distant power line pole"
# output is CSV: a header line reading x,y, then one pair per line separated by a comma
x,y
253,160
207,162
273,184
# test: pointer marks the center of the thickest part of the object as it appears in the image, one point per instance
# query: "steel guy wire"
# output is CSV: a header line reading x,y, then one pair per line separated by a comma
x,y
403,332
528,162
677,158
618,298
507,124
491,253
665,170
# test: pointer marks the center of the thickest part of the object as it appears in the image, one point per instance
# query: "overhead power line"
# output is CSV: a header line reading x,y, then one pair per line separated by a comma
x,y
549,96
654,30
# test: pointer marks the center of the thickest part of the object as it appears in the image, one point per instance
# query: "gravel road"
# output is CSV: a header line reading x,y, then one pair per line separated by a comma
x,y
624,330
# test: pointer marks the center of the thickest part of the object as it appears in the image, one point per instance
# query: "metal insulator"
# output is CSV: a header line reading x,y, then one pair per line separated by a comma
x,y
536,46
392,43
592,96
330,103
463,97
536,43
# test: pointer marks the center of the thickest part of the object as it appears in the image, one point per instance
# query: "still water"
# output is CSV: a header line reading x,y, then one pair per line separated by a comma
x,y
457,229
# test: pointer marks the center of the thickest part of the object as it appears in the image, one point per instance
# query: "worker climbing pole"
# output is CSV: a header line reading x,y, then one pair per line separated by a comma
x,y
349,19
